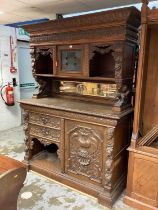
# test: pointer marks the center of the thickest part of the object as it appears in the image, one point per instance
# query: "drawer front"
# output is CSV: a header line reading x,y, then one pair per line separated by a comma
x,y
45,120
44,132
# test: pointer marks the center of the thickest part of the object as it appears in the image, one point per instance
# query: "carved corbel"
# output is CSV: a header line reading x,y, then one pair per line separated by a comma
x,y
44,88
122,96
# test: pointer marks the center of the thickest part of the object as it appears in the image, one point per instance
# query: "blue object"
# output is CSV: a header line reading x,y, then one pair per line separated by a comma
x,y
20,24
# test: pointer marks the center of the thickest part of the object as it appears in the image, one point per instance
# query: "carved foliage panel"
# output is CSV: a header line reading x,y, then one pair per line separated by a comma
x,y
26,131
109,157
84,154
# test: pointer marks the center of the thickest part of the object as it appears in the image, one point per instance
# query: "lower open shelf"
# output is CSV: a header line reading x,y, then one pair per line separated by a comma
x,y
47,160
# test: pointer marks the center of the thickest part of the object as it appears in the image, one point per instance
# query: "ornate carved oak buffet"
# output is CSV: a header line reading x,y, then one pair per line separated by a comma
x,y
78,124
142,185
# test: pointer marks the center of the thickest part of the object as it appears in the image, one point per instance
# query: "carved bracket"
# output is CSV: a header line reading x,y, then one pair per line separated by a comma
x,y
122,96
44,88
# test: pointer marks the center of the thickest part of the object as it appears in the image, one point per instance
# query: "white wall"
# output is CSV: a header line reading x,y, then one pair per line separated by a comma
x,y
10,116
27,82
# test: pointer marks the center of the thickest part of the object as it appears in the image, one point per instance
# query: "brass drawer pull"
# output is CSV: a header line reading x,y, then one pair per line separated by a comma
x,y
44,120
46,132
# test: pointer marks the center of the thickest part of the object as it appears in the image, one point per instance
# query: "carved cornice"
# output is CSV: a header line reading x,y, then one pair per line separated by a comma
x,y
98,20
102,33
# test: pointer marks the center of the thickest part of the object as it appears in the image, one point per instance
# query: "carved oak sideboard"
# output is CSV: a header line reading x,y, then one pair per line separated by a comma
x,y
85,149
78,124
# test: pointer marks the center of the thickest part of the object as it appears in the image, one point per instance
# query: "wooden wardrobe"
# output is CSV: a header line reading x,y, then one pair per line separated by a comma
x,y
142,184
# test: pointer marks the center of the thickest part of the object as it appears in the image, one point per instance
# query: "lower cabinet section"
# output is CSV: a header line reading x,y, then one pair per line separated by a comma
x,y
85,155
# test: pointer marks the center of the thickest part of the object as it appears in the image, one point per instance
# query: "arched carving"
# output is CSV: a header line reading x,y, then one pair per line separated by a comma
x,y
44,87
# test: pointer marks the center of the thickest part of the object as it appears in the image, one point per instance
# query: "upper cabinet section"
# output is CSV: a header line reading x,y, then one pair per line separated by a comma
x,y
113,25
97,50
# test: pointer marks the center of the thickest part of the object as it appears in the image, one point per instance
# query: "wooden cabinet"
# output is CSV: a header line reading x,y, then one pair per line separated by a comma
x,y
78,124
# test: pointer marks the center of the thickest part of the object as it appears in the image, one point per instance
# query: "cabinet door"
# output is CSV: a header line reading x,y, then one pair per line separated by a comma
x,y
84,150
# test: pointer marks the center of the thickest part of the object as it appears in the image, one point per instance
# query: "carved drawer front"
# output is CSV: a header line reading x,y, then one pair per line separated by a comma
x,y
45,120
48,133
84,153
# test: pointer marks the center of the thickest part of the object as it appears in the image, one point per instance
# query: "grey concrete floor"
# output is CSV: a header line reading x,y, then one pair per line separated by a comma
x,y
40,193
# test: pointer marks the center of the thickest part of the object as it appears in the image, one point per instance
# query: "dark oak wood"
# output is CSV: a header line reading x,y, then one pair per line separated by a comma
x,y
142,184
81,140
12,176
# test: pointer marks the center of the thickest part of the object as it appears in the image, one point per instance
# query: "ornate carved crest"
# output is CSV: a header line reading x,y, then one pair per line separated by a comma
x,y
85,152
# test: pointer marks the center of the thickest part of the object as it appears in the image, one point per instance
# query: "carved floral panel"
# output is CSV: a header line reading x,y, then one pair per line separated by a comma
x,y
85,151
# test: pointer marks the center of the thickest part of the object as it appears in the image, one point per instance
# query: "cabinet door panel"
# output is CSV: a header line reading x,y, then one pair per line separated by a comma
x,y
84,148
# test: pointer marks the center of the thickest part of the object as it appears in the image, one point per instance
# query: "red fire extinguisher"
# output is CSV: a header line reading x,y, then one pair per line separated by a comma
x,y
9,95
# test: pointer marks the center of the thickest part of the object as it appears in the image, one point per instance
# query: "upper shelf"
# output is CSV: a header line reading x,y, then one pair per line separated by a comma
x,y
77,78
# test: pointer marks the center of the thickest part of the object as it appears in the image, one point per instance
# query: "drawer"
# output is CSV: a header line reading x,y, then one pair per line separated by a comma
x,y
45,120
44,132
